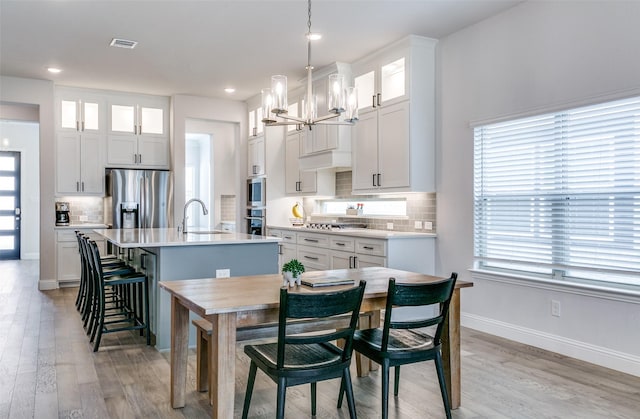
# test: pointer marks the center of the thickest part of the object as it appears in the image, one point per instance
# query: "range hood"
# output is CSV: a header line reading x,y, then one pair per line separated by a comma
x,y
330,159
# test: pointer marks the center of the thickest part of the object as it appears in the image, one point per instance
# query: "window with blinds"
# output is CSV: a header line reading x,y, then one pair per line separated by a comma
x,y
558,195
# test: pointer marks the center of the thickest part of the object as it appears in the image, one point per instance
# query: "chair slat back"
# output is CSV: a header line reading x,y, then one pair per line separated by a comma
x,y
411,295
318,305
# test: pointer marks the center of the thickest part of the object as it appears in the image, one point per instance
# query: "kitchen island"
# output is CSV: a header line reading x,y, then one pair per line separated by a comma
x,y
165,254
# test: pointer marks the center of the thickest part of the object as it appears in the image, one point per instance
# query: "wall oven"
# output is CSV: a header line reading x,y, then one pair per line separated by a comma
x,y
256,219
257,192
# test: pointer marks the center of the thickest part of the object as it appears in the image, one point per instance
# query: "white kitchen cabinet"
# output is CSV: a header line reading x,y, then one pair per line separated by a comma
x,y
138,135
79,165
80,138
304,182
287,247
256,156
327,146
256,126
68,267
394,140
351,252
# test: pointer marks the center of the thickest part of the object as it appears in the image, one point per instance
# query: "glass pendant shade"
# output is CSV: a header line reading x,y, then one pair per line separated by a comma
x,y
352,105
267,106
335,94
279,94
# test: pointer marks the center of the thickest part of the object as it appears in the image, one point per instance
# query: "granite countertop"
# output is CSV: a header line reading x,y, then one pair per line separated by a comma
x,y
168,237
361,232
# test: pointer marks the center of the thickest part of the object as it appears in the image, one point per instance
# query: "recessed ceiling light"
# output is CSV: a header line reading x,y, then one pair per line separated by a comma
x,y
230,90
314,36
123,43
53,70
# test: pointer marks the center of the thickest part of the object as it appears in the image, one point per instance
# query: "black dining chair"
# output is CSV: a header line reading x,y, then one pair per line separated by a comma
x,y
401,342
297,359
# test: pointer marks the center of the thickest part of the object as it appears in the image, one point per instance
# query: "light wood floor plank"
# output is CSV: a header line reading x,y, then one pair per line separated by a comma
x,y
48,370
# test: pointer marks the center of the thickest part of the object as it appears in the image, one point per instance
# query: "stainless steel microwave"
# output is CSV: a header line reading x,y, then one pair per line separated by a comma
x,y
257,192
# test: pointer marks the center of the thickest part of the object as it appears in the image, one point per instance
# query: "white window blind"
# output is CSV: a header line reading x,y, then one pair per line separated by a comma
x,y
558,195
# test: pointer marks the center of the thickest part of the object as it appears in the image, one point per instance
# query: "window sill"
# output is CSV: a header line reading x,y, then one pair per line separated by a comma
x,y
625,293
371,217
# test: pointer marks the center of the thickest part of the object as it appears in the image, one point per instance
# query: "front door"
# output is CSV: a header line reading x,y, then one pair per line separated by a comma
x,y
9,205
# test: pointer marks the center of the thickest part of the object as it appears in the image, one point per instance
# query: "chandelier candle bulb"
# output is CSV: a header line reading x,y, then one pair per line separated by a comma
x,y
352,105
279,94
267,106
335,94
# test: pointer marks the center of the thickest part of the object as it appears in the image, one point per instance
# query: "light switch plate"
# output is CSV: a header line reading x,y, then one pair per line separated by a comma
x,y
389,226
428,225
417,225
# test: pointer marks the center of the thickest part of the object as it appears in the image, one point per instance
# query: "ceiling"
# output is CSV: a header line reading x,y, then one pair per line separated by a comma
x,y
201,47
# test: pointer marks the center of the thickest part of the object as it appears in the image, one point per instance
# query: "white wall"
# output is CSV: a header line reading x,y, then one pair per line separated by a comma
x,y
534,57
234,116
25,138
40,92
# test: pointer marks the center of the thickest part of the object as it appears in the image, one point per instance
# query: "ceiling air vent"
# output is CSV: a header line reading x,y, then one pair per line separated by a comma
x,y
123,43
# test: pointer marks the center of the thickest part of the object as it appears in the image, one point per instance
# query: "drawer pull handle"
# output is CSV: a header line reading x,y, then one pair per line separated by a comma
x,y
368,247
311,257
288,237
311,240
340,244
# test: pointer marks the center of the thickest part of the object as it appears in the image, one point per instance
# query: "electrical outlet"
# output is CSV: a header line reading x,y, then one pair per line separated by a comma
x,y
555,308
83,218
428,225
417,225
223,273
389,226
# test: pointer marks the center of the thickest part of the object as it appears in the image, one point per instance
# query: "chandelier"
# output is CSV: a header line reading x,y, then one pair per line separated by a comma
x,y
340,99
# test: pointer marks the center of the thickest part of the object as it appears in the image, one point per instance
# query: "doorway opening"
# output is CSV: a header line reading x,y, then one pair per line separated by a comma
x,y
197,172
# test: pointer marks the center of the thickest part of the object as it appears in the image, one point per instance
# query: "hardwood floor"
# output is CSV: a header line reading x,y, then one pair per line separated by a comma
x,y
48,370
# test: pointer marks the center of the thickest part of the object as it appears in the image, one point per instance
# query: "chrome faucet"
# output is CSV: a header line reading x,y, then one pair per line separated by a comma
x,y
184,213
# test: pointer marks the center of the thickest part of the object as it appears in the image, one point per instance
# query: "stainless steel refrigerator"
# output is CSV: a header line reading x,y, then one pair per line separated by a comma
x,y
140,198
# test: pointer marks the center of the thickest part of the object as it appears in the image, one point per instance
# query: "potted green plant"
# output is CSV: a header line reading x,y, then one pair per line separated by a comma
x,y
292,271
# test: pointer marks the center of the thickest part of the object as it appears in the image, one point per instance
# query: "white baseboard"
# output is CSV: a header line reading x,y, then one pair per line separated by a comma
x,y
30,256
47,284
620,361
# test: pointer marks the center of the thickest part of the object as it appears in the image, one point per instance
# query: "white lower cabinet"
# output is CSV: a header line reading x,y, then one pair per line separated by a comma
x,y
68,267
323,251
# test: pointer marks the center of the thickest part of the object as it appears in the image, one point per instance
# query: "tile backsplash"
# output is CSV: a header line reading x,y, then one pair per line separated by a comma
x,y
420,207
83,209
227,207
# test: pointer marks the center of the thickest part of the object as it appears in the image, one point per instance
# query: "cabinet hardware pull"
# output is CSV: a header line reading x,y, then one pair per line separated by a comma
x,y
339,244
82,186
379,96
368,247
77,125
83,126
139,129
129,257
310,257
373,180
379,180
77,186
350,262
143,257
355,262
373,101
288,237
279,249
140,158
311,240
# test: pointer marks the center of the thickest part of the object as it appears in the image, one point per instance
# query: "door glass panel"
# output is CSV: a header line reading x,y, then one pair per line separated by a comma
x,y
7,203
91,116
365,84
7,183
393,79
7,242
68,114
8,164
7,222
122,118
152,121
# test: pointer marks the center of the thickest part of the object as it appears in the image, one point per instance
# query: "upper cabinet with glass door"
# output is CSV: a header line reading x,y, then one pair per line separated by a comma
x,y
79,110
138,131
256,126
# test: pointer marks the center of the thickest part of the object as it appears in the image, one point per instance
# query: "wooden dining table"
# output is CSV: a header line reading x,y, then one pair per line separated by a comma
x,y
246,301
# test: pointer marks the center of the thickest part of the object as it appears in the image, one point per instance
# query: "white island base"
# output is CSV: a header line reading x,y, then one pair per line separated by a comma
x,y
166,255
